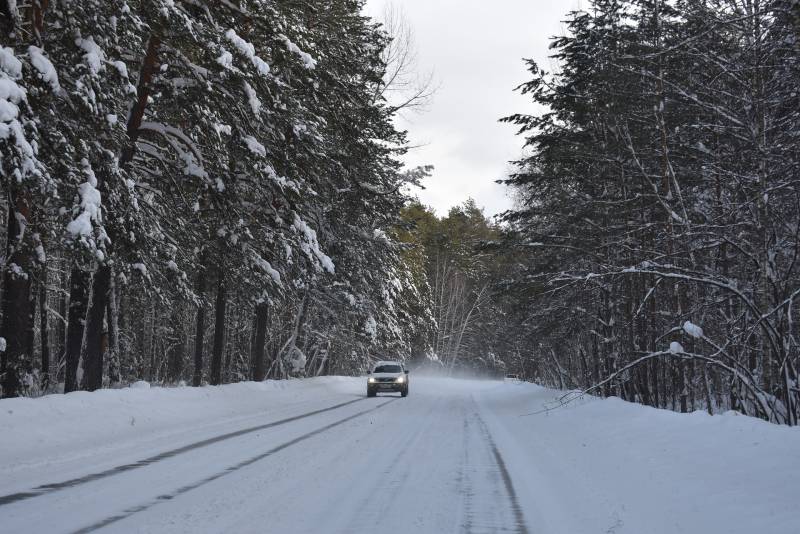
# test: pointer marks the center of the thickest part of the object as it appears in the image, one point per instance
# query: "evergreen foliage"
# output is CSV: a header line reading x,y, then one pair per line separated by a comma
x,y
658,208
161,156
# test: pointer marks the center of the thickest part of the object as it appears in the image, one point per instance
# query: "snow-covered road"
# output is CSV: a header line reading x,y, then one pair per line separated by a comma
x,y
455,456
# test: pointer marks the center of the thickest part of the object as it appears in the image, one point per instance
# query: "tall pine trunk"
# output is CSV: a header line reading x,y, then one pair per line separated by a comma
x,y
16,304
30,329
259,363
176,343
152,373
96,340
112,318
200,325
44,332
78,302
61,323
219,329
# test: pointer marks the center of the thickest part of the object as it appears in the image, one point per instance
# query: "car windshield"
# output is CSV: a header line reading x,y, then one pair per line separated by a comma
x,y
388,369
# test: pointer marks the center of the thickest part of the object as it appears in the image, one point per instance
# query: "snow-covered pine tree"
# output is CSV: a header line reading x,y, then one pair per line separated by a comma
x,y
659,198
189,153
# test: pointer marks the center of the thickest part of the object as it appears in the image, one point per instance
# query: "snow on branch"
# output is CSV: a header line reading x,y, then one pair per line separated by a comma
x,y
247,50
254,146
12,97
94,57
47,72
266,266
193,160
252,98
310,245
91,215
309,62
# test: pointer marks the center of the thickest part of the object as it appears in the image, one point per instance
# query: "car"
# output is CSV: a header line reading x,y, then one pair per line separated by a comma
x,y
386,377
511,378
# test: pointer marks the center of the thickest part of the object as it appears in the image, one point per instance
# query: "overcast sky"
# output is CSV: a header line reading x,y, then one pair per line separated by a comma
x,y
475,50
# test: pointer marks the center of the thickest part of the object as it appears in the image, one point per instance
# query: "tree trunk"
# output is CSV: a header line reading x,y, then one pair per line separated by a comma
x,y
96,340
61,324
18,304
152,374
219,330
226,351
78,301
43,330
16,299
707,391
684,394
30,330
112,318
259,363
149,66
176,346
199,332
141,341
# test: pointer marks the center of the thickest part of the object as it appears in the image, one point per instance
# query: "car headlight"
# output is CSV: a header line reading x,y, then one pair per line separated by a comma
x,y
370,380
401,379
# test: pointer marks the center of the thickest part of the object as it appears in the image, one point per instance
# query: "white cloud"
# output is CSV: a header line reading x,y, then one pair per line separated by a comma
x,y
476,57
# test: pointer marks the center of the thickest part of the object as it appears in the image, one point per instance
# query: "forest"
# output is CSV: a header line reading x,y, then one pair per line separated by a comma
x,y
658,206
198,192
201,193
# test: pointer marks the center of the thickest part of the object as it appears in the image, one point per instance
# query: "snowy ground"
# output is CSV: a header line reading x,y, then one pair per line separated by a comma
x,y
455,456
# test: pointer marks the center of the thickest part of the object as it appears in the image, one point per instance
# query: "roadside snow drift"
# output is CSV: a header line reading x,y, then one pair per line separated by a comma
x,y
81,429
613,466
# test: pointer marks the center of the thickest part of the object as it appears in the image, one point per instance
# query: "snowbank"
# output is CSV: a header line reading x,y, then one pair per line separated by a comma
x,y
66,429
627,468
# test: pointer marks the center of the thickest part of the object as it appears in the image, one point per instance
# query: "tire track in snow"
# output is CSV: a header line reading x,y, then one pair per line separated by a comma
x,y
484,496
465,485
50,488
520,527
189,487
393,478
